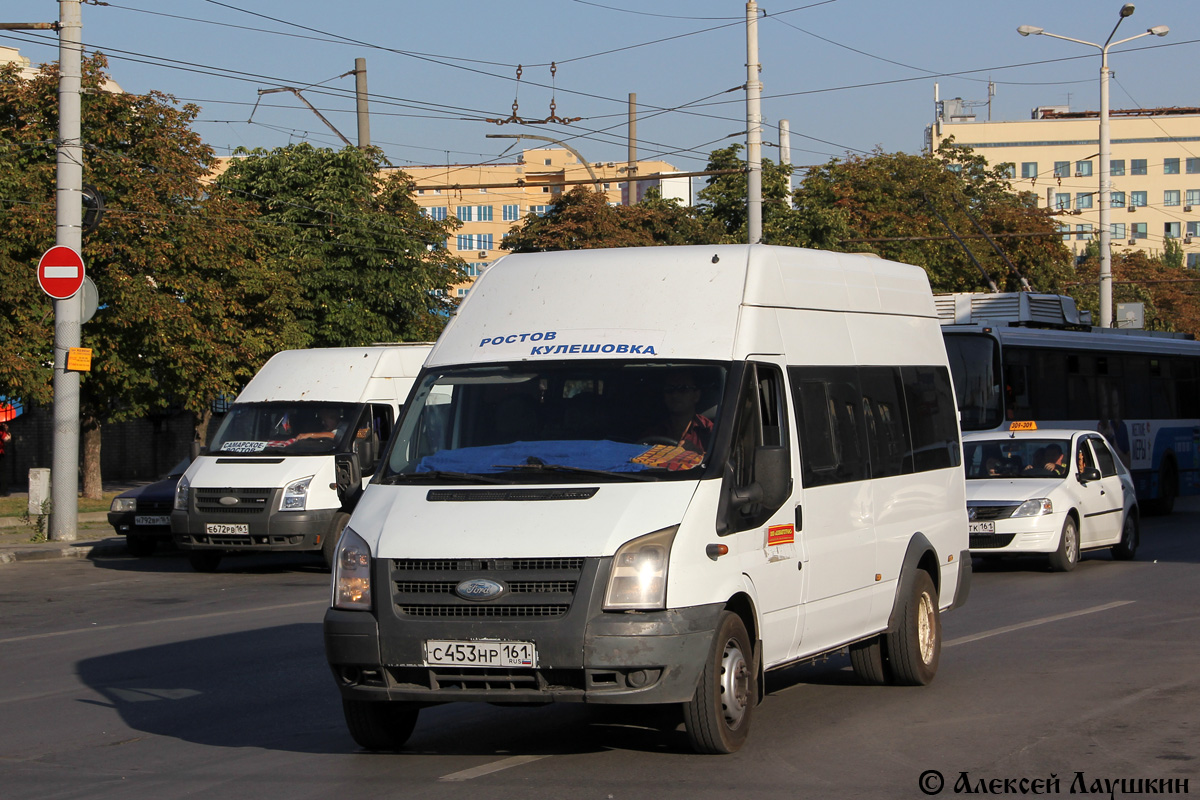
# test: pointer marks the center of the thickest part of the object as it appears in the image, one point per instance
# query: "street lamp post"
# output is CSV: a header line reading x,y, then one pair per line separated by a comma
x,y
1106,305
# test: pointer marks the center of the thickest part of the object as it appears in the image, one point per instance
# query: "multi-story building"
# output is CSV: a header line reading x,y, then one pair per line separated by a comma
x,y
491,199
1155,169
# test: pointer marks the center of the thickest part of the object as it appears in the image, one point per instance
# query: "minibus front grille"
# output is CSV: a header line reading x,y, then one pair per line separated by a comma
x,y
513,588
237,501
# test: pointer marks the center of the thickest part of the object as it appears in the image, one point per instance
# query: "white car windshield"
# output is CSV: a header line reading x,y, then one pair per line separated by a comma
x,y
291,429
1017,458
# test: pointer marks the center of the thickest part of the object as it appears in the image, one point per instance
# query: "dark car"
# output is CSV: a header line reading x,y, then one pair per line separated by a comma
x,y
143,515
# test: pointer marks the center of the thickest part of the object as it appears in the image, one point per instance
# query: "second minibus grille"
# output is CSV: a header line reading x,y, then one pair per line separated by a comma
x,y
527,587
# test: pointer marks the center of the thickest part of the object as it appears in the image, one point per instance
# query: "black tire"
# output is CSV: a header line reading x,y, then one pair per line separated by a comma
x,y
1126,549
915,646
140,546
870,661
1066,556
204,560
717,718
329,545
380,725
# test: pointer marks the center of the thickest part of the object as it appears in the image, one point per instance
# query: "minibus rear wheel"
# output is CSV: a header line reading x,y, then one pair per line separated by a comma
x,y
380,725
717,718
915,647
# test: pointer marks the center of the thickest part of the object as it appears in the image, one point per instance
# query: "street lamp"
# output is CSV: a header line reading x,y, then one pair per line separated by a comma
x,y
1105,148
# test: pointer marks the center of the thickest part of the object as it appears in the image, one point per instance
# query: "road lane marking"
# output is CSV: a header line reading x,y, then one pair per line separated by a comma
x,y
189,618
1035,622
488,769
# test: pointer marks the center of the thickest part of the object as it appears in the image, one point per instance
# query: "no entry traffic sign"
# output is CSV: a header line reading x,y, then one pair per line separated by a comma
x,y
60,272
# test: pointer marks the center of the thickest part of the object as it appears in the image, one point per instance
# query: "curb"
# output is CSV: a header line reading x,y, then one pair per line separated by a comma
x,y
41,551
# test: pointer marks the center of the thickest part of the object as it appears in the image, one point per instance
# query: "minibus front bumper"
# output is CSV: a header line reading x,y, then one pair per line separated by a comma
x,y
584,654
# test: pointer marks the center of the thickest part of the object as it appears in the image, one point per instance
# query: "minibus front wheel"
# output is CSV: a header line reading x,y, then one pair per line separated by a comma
x,y
380,724
915,646
717,718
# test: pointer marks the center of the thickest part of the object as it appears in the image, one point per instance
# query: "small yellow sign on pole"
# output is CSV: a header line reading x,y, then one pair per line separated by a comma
x,y
79,359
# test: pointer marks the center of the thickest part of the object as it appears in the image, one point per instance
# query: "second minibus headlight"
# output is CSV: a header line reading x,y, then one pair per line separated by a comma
x,y
1034,508
295,495
639,573
352,573
181,494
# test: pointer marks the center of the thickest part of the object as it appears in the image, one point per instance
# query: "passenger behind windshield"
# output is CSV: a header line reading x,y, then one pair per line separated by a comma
x,y
678,422
283,428
1016,458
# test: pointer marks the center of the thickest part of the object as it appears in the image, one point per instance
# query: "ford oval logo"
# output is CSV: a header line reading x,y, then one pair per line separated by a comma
x,y
479,589
228,501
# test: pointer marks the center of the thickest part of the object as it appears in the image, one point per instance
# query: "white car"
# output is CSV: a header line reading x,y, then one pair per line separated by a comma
x,y
1057,492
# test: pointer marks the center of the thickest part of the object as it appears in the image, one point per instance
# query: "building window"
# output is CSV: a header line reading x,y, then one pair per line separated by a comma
x,y
1083,200
548,162
1137,166
1171,197
1139,230
1065,230
475,213
1193,166
1116,199
1137,199
1193,260
1193,197
1008,170
1193,229
474,241
606,187
420,191
1028,169
483,190
1083,232
511,212
1062,201
1083,169
1116,166
1062,169
1171,230
1170,166
545,190
541,211
463,292
1117,230
435,212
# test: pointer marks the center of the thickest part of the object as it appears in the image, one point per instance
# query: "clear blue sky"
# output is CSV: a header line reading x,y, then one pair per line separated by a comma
x,y
849,75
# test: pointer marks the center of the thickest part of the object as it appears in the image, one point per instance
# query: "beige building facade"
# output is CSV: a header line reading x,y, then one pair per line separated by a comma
x,y
1155,170
491,199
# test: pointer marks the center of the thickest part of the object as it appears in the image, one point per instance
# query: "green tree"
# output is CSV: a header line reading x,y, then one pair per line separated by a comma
x,y
371,268
723,199
1169,293
188,306
582,219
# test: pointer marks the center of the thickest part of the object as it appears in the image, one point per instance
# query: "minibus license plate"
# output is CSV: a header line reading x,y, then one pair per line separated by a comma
x,y
227,529
480,653
146,520
981,527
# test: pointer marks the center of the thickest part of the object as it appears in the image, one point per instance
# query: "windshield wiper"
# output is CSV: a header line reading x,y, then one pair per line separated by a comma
x,y
440,474
537,466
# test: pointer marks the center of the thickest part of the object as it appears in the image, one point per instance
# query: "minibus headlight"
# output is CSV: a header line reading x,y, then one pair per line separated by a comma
x,y
295,495
352,573
1034,508
181,494
639,573
123,504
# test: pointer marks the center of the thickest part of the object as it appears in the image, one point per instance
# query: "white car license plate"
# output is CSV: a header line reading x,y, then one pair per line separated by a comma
x,y
480,653
981,527
227,529
148,520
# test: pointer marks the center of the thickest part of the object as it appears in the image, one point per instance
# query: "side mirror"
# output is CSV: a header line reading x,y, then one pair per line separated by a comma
x,y
348,474
1088,475
773,480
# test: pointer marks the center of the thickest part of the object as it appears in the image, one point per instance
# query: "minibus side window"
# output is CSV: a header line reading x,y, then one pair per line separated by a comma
x,y
887,421
760,419
833,439
932,432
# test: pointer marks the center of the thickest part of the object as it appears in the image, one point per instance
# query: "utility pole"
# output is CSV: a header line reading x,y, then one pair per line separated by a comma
x,y
631,167
753,128
64,480
360,94
785,154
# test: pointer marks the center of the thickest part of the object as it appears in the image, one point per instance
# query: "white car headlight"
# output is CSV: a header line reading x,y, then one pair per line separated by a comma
x,y
1034,508
181,494
352,573
123,504
639,572
295,495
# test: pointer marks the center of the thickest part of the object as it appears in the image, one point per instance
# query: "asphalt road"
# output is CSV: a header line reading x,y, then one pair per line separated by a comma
x,y
142,679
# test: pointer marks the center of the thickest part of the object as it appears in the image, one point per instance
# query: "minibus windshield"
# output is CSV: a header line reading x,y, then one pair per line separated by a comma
x,y
290,429
563,422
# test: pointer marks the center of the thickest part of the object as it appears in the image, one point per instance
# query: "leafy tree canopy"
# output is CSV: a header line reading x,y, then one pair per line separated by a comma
x,y
370,267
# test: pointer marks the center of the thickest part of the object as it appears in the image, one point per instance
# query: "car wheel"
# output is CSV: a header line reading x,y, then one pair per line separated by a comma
x,y
717,718
140,546
380,725
869,661
329,546
1066,556
915,646
204,560
1126,549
